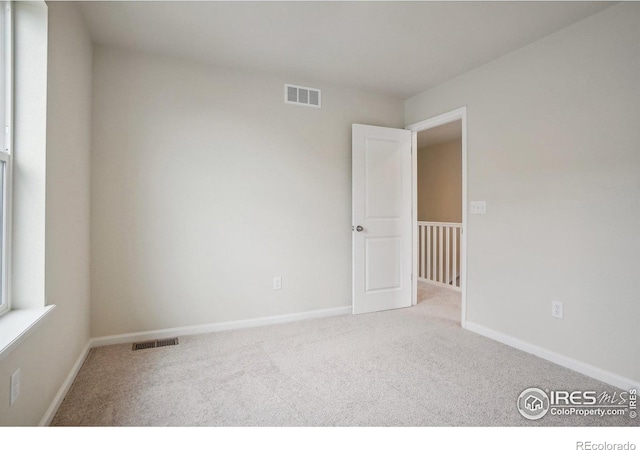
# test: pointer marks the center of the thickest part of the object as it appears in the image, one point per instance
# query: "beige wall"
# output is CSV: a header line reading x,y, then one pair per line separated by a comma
x,y
440,182
46,357
553,149
206,185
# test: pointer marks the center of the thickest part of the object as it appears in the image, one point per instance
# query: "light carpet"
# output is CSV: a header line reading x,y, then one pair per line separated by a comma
x,y
407,367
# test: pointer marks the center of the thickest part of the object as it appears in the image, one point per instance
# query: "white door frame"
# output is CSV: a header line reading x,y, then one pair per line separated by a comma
x,y
451,116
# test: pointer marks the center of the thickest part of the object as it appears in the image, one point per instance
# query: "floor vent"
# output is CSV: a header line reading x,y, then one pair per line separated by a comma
x,y
302,95
154,344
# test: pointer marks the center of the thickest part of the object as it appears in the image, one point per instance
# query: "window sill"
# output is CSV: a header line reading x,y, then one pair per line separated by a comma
x,y
16,325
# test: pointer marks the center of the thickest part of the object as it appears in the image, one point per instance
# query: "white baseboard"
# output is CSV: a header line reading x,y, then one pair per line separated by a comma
x,y
66,385
564,361
219,326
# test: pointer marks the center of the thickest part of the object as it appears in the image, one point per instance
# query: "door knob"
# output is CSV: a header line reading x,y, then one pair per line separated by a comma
x,y
359,228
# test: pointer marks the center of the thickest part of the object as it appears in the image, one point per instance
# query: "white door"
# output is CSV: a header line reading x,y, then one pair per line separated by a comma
x,y
381,218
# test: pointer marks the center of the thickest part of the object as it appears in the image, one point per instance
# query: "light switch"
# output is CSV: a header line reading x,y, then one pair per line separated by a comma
x,y
479,207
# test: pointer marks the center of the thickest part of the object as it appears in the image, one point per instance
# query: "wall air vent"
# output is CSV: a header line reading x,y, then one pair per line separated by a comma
x,y
301,95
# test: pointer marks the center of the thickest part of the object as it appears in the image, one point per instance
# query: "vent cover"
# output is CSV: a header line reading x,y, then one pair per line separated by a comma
x,y
302,95
154,344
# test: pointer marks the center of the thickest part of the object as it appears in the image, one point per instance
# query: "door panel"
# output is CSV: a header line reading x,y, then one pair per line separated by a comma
x,y
383,180
384,263
382,208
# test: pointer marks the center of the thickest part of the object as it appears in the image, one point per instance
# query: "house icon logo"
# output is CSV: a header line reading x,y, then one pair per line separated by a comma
x,y
533,403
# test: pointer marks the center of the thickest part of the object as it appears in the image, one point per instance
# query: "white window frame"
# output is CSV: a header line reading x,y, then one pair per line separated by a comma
x,y
6,149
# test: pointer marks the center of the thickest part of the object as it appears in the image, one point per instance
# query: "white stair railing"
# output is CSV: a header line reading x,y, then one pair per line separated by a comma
x,y
439,253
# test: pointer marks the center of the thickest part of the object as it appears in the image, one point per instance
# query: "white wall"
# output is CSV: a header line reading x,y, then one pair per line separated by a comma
x,y
553,141
205,185
47,356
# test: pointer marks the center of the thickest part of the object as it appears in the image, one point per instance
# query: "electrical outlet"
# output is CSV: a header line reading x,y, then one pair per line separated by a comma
x,y
15,386
557,309
277,283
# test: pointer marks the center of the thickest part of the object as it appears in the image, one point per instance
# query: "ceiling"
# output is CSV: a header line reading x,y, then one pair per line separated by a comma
x,y
440,134
396,48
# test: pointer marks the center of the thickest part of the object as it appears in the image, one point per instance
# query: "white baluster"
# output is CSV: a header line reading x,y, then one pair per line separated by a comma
x,y
455,257
440,253
448,262
428,274
422,254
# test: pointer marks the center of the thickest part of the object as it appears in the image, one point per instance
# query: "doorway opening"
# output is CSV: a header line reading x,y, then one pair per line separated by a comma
x,y
439,176
439,238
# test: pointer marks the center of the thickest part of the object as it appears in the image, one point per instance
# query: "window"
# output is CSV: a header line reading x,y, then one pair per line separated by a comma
x,y
6,116
23,53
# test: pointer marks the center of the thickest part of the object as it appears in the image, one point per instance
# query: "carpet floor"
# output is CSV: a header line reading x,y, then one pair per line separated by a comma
x,y
406,367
